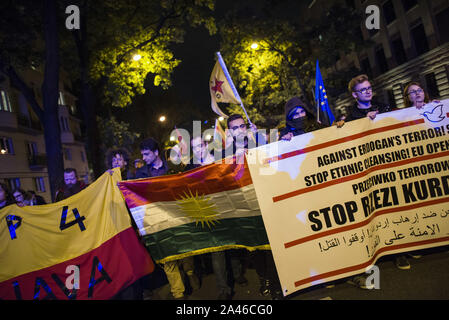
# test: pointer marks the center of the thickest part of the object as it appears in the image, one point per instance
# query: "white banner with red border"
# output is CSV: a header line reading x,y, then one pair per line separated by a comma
x,y
335,200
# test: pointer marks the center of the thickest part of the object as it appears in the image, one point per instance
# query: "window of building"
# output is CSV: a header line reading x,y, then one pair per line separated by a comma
x,y
61,100
32,148
408,4
442,21
5,104
64,124
388,11
398,50
13,183
432,86
420,39
6,145
381,59
67,154
39,183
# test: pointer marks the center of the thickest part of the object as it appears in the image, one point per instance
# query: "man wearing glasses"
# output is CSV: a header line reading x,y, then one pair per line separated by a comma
x,y
362,91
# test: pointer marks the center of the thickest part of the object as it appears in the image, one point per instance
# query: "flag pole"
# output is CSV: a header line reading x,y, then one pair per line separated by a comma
x,y
231,84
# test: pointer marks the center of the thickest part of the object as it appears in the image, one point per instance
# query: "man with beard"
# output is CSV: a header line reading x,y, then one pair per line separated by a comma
x,y
71,185
239,139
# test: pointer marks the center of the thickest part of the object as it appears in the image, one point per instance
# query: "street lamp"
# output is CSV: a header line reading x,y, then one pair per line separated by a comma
x,y
137,57
220,119
254,46
162,119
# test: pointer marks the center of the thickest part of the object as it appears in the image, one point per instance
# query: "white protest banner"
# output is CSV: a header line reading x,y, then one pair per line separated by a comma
x,y
335,200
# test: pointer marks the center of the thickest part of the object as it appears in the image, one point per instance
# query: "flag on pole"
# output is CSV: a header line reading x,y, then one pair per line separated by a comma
x,y
208,209
221,87
324,113
219,134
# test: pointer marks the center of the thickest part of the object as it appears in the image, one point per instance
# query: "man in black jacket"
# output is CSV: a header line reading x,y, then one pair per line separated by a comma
x,y
362,91
155,165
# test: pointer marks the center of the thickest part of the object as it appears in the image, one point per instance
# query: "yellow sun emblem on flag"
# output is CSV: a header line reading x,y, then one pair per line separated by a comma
x,y
200,209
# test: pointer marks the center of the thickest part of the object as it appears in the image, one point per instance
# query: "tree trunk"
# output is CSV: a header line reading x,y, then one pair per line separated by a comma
x,y
50,93
87,101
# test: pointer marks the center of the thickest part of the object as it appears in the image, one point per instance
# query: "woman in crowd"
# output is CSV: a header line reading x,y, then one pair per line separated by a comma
x,y
5,196
19,196
415,96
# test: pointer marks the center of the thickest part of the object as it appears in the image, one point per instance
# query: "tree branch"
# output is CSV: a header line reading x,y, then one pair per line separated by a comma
x,y
27,92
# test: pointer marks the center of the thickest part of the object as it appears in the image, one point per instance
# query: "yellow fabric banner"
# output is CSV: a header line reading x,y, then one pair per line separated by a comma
x,y
37,237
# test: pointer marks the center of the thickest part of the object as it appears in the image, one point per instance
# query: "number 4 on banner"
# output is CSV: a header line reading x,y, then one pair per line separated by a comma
x,y
78,220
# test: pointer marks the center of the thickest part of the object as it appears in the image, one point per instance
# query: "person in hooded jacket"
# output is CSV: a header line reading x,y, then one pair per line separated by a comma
x,y
299,119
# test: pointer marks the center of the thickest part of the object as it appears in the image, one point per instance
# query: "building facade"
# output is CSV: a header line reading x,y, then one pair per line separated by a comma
x,y
23,161
412,44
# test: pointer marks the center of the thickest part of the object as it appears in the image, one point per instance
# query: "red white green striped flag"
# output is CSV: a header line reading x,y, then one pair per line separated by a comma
x,y
211,208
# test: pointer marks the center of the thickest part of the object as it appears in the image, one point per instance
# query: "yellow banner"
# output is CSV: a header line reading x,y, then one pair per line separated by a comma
x,y
36,237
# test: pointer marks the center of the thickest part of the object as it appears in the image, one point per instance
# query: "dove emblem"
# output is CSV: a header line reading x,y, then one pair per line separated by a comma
x,y
436,115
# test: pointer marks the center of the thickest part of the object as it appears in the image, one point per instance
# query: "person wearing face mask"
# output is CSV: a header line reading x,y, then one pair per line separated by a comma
x,y
298,119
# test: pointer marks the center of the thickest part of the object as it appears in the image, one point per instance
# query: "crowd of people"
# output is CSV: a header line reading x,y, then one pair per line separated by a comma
x,y
299,118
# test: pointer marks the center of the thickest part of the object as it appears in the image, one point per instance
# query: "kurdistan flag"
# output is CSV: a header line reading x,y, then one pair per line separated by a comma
x,y
211,208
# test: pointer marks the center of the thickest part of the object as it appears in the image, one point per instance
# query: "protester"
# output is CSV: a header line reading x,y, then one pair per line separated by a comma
x,y
361,89
119,158
19,196
34,199
264,262
5,196
415,96
202,157
157,166
239,139
298,119
71,185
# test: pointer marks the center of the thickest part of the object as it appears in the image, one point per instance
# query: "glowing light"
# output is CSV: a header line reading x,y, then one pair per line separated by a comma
x,y
162,118
208,137
220,119
254,46
172,138
3,151
137,57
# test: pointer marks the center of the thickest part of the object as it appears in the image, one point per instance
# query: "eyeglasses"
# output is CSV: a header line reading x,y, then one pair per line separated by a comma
x,y
364,90
413,92
242,126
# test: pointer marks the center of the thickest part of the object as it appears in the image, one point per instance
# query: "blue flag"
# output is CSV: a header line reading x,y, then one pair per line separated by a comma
x,y
324,115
